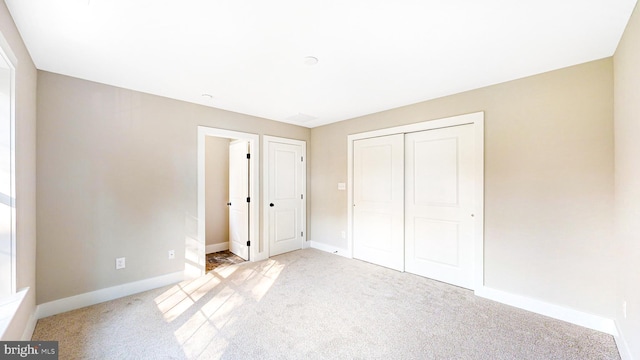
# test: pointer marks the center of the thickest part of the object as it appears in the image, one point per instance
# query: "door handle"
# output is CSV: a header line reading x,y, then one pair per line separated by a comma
x,y
271,205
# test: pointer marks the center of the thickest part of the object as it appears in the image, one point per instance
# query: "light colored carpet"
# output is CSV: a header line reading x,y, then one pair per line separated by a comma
x,y
314,305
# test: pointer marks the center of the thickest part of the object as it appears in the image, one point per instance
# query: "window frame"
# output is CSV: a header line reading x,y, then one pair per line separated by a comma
x,y
7,55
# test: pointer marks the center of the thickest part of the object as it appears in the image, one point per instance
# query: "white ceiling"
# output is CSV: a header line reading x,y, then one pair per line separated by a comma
x,y
373,55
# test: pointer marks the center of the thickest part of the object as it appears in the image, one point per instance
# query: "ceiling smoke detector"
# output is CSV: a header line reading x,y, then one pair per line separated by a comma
x,y
310,60
301,118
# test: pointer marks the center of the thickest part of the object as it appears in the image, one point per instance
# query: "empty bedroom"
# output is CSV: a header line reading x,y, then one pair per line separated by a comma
x,y
321,180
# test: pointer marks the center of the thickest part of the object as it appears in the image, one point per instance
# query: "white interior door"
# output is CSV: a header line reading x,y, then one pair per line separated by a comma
x,y
238,194
378,221
439,237
285,197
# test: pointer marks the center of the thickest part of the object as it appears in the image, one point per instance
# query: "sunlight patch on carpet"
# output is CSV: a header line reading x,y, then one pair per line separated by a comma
x,y
179,298
262,282
216,318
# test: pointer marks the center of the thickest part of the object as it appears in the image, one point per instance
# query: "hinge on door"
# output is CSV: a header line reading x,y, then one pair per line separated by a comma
x,y
301,196
302,158
248,199
248,156
248,243
301,233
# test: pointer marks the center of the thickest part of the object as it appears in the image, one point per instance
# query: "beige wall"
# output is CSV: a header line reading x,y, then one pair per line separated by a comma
x,y
627,185
548,181
117,177
25,112
217,190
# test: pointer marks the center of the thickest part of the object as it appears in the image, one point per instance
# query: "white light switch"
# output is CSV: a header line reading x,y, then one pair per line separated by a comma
x,y
120,264
342,186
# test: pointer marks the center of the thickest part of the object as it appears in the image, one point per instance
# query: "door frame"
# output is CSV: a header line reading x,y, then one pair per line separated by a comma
x,y
477,120
266,140
254,194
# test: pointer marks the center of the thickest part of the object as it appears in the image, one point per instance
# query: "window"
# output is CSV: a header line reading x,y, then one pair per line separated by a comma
x,y
7,174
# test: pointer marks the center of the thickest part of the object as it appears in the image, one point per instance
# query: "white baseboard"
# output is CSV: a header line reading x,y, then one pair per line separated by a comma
x,y
573,316
329,249
623,347
102,295
216,247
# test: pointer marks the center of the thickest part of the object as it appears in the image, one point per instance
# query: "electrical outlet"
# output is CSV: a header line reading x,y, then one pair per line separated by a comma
x,y
120,264
624,309
172,254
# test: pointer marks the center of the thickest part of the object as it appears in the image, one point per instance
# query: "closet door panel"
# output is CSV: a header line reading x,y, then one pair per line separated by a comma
x,y
378,213
439,198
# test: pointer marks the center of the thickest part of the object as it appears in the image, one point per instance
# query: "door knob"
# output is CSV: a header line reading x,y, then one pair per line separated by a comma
x,y
228,204
271,205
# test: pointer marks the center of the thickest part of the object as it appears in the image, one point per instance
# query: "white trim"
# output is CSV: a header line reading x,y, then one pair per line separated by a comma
x,y
217,247
254,190
9,307
477,119
421,126
267,139
7,55
102,295
30,327
623,346
330,249
478,126
558,312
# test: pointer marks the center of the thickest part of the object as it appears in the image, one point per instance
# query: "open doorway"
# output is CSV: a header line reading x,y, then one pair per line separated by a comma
x,y
227,163
227,219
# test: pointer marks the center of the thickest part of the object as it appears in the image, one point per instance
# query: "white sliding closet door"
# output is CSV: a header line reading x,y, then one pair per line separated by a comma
x,y
378,222
439,203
